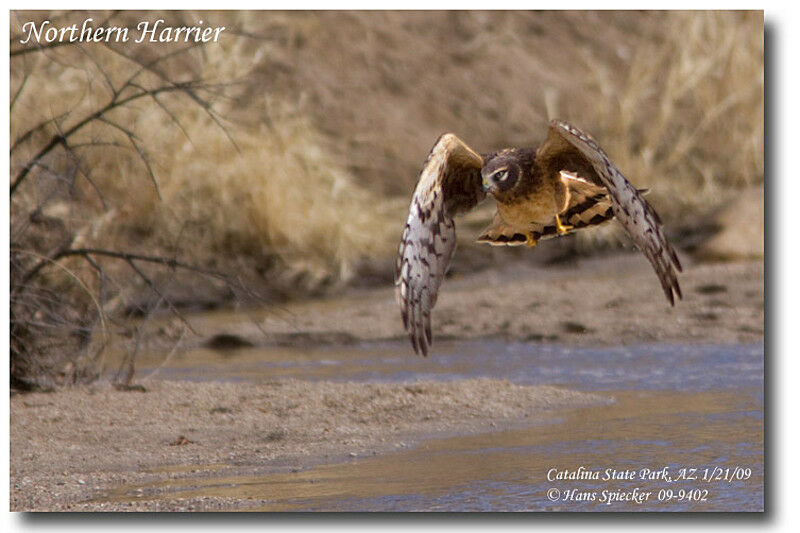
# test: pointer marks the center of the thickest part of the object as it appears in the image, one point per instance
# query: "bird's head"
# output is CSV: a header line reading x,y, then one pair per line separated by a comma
x,y
499,174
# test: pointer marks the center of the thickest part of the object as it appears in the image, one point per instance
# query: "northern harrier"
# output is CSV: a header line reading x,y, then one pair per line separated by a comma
x,y
568,183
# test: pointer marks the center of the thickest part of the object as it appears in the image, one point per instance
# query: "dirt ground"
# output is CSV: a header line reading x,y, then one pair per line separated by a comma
x,y
607,300
345,106
70,446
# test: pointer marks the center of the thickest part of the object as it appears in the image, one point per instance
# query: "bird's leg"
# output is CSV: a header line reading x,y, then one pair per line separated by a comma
x,y
561,228
530,242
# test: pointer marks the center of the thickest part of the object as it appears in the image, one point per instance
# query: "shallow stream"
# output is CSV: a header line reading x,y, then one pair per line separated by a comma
x,y
683,432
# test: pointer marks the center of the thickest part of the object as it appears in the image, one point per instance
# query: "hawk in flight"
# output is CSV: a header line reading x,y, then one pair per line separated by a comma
x,y
568,183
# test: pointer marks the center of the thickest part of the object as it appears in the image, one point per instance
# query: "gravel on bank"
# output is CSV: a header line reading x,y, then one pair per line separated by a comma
x,y
71,446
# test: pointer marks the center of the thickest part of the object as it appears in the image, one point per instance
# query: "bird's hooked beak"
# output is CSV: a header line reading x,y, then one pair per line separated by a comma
x,y
490,181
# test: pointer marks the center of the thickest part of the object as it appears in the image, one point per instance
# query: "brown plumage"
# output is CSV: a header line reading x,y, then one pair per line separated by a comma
x,y
566,184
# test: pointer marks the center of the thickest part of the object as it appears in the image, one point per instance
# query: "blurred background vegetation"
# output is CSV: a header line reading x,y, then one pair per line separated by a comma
x,y
279,161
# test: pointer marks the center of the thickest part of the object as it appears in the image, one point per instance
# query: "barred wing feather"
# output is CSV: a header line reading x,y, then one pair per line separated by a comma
x,y
449,183
637,216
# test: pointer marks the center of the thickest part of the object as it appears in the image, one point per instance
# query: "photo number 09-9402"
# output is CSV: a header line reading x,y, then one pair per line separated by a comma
x,y
460,261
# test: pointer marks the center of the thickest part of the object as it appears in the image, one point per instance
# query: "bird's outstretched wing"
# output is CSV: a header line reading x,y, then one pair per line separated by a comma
x,y
568,148
450,183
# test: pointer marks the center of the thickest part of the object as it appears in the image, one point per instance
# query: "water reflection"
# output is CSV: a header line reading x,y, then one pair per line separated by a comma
x,y
679,407
656,367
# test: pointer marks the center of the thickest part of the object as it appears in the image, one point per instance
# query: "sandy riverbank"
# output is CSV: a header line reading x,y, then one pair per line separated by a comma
x,y
601,301
70,446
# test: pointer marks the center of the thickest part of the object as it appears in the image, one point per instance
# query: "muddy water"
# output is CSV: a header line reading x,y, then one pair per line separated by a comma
x,y
684,432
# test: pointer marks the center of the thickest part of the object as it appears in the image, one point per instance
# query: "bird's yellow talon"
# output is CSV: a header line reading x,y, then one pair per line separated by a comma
x,y
561,228
531,242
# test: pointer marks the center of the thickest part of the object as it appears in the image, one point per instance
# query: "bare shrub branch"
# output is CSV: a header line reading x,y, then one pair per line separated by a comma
x,y
57,303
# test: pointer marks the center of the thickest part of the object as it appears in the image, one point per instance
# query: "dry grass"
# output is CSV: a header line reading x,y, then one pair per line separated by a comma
x,y
260,185
687,116
302,163
329,110
333,114
280,195
676,98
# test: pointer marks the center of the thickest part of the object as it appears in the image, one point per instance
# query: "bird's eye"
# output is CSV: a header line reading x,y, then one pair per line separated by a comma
x,y
502,176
